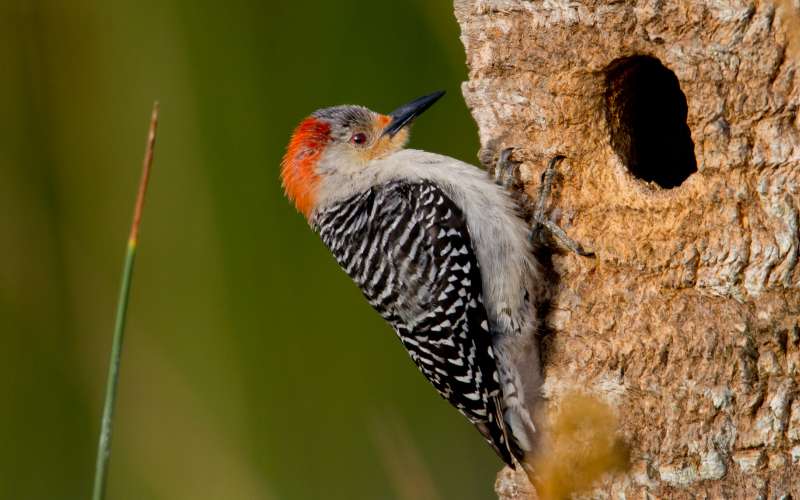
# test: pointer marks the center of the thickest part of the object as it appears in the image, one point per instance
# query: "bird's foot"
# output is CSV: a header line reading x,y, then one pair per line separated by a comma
x,y
506,174
541,222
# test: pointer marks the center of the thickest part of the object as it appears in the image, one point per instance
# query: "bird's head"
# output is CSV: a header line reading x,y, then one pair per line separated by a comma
x,y
340,141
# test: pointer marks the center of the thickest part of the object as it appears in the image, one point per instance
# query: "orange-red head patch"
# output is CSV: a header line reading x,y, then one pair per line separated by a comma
x,y
298,168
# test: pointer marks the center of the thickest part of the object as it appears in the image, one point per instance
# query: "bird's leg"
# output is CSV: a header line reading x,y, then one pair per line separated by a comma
x,y
540,220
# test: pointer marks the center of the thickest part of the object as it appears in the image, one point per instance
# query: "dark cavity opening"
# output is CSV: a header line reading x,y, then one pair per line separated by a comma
x,y
646,112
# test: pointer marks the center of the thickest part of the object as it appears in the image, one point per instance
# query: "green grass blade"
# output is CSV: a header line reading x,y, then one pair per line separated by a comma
x,y
104,444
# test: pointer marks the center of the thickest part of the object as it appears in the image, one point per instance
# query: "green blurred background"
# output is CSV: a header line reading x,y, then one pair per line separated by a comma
x,y
253,368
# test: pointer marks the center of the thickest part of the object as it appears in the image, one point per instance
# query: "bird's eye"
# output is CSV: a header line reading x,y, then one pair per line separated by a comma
x,y
359,138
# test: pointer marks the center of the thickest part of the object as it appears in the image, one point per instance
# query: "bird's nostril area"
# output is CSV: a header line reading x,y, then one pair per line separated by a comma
x,y
646,112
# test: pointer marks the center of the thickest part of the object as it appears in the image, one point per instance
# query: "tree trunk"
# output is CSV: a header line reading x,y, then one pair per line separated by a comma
x,y
679,123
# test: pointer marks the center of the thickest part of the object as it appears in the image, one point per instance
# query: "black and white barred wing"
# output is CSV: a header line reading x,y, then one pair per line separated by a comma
x,y
408,247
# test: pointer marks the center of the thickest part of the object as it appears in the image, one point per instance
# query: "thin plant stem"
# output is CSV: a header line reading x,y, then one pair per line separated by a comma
x,y
104,445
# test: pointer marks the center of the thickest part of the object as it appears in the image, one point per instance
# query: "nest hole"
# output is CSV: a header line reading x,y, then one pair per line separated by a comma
x,y
646,111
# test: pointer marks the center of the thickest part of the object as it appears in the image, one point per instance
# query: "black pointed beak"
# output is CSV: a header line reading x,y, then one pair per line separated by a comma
x,y
406,113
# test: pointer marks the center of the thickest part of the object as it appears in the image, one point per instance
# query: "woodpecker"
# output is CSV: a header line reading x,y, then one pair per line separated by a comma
x,y
439,249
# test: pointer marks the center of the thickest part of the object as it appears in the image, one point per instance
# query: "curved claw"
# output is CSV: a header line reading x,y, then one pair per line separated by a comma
x,y
505,155
555,161
504,169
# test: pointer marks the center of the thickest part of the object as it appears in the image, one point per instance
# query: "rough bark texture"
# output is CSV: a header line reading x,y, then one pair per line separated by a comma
x,y
687,321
